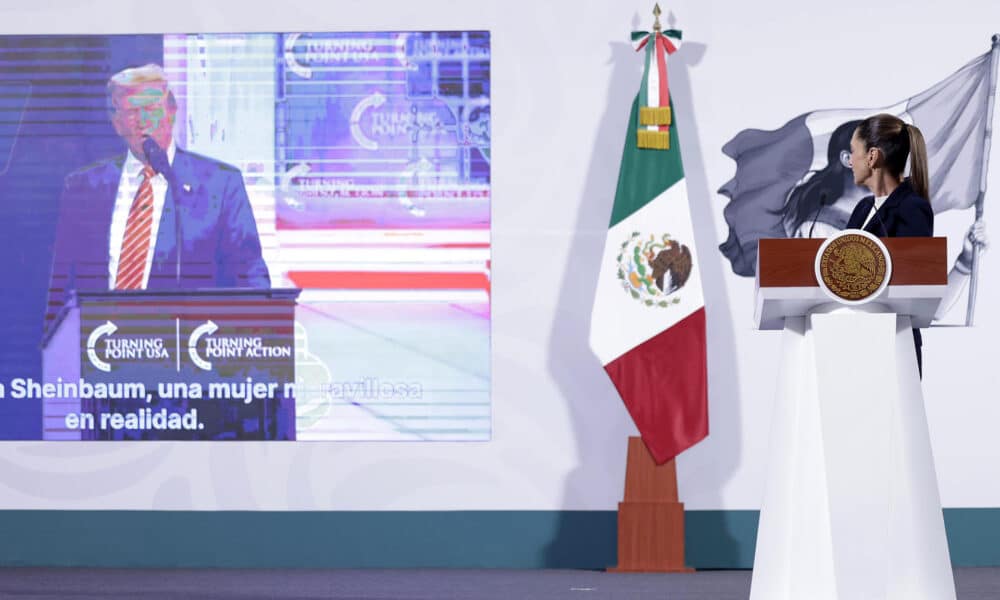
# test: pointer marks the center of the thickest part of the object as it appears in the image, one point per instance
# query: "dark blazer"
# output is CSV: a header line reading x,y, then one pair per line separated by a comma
x,y
206,203
903,214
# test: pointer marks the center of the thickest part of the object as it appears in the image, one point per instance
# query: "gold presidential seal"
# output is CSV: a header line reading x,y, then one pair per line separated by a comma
x,y
853,266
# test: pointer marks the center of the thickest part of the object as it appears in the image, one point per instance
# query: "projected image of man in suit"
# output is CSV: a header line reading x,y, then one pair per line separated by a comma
x,y
156,217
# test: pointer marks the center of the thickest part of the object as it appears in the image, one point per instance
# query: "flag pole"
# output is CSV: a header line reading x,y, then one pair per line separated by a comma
x,y
990,102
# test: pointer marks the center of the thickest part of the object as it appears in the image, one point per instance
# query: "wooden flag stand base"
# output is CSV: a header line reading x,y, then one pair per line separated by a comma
x,y
650,519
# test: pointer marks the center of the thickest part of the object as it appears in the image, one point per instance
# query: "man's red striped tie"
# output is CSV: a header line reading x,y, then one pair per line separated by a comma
x,y
138,229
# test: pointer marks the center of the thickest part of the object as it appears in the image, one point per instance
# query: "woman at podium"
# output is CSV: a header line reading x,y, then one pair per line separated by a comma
x,y
898,207
851,507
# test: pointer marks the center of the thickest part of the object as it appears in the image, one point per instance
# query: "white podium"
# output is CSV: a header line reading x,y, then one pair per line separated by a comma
x,y
851,508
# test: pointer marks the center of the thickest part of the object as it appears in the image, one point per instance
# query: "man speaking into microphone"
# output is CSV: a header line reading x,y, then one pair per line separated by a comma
x,y
157,217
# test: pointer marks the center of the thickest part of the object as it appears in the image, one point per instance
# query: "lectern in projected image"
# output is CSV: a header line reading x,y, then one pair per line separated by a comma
x,y
364,159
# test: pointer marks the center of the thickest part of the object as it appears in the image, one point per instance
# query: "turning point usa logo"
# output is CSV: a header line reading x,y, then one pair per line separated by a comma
x,y
203,345
116,349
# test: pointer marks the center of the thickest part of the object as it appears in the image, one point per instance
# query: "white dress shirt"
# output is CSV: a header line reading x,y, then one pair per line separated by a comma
x,y
879,201
128,185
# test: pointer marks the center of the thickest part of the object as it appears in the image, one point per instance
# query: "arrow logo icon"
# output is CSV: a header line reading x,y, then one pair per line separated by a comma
x,y
287,194
291,62
374,101
107,328
207,328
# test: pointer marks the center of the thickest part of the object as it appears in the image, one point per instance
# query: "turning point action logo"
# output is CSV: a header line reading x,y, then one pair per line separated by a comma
x,y
238,347
103,348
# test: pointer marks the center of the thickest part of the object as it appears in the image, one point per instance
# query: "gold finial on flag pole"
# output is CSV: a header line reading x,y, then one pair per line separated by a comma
x,y
656,14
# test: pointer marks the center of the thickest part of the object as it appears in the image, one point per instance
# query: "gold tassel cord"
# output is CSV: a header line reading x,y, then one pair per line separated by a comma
x,y
654,115
655,140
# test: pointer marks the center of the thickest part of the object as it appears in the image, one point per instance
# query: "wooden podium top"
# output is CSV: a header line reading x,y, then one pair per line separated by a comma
x,y
786,284
789,262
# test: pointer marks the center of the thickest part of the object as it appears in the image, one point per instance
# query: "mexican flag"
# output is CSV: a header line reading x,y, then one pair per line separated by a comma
x,y
648,322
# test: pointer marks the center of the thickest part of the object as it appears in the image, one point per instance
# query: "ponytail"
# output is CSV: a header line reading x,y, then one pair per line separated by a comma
x,y
918,162
896,141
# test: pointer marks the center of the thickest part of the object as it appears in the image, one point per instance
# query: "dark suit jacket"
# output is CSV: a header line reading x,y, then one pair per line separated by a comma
x,y
904,214
206,203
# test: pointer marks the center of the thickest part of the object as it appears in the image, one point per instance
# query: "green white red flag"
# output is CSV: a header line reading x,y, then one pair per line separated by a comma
x,y
648,321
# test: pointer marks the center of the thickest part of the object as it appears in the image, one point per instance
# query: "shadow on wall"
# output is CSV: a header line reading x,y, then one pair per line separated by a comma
x,y
597,413
704,470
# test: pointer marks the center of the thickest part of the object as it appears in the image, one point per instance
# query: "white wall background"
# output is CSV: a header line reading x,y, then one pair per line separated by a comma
x,y
563,79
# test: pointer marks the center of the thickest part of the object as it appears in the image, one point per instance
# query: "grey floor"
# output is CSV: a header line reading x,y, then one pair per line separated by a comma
x,y
85,584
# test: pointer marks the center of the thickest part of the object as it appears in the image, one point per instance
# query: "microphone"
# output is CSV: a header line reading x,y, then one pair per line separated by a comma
x,y
157,158
824,198
160,162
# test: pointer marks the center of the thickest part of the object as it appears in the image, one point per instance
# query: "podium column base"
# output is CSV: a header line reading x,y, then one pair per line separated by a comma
x,y
851,507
